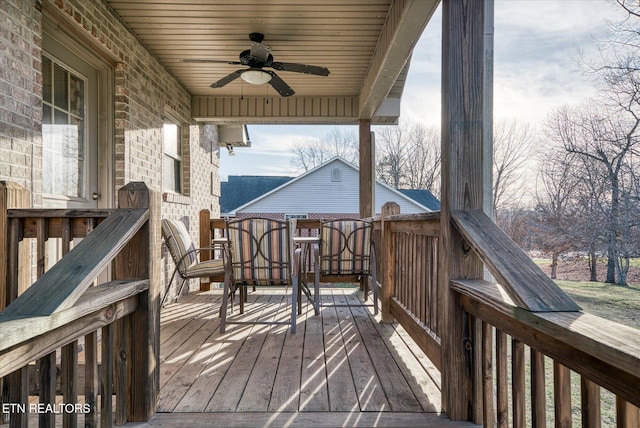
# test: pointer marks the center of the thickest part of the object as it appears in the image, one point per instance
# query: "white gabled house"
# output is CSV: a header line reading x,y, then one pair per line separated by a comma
x,y
328,191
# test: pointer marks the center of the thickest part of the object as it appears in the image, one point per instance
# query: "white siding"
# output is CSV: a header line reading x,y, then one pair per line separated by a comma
x,y
316,192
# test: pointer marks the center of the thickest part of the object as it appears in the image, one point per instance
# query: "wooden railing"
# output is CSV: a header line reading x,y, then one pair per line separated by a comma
x,y
526,311
530,311
408,257
75,335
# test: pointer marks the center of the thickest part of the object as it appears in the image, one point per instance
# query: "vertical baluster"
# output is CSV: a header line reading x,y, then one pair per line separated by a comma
x,y
427,275
405,286
538,392
562,395
123,329
47,363
436,296
414,280
205,242
13,259
627,415
488,404
426,278
47,391
69,368
590,397
69,381
477,367
502,376
425,260
106,375
41,246
91,378
518,383
18,393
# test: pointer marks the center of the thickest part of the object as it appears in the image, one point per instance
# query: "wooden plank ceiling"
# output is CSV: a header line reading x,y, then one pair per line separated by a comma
x,y
365,44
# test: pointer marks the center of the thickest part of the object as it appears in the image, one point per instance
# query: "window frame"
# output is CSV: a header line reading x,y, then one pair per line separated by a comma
x,y
177,182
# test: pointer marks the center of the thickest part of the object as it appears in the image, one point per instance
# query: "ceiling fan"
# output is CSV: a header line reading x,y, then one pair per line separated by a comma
x,y
258,58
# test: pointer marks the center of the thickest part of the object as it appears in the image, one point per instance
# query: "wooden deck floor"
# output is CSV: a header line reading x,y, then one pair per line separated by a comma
x,y
342,368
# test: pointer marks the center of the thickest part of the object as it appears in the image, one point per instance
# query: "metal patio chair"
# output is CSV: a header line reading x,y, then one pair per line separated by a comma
x,y
185,256
346,254
260,254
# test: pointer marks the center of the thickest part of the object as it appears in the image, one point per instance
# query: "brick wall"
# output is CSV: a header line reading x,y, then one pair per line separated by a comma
x,y
20,95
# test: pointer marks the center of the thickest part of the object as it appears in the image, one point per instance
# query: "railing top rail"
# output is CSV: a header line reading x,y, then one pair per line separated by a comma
x,y
604,351
57,213
19,329
62,285
525,282
429,216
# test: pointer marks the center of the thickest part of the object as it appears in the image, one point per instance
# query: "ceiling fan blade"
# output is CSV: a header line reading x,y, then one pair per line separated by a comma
x,y
227,79
209,61
280,85
301,68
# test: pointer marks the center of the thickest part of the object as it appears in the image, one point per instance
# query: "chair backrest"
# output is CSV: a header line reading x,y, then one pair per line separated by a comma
x,y
179,243
260,251
345,247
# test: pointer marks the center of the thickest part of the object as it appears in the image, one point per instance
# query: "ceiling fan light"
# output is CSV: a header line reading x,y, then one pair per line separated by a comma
x,y
256,77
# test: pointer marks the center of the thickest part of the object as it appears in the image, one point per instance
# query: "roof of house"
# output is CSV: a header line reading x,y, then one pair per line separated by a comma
x,y
240,189
253,190
423,197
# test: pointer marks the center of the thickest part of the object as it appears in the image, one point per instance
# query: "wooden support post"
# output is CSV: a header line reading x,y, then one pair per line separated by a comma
x,y
12,195
388,254
367,168
205,242
141,259
13,280
465,115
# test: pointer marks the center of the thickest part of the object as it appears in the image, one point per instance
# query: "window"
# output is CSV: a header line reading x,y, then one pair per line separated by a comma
x,y
172,161
336,174
63,130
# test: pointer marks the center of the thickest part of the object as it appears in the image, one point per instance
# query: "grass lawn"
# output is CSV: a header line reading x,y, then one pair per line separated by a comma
x,y
613,302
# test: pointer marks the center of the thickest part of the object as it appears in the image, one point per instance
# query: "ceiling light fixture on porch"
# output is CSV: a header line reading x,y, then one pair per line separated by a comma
x,y
256,76
230,150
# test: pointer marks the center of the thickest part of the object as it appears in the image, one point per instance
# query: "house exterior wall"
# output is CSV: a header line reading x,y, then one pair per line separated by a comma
x,y
143,94
330,191
312,216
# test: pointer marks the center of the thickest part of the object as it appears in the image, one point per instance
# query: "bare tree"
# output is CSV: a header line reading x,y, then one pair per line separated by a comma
x,y
514,146
604,139
408,156
393,151
554,208
310,153
423,167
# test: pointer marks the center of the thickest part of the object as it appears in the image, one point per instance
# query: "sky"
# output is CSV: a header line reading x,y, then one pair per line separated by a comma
x,y
537,49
